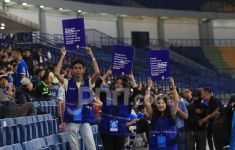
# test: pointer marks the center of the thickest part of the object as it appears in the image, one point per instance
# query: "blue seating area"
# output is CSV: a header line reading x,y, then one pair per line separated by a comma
x,y
49,107
38,132
195,54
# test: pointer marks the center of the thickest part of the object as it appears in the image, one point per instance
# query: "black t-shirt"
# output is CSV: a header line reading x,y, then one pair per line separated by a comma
x,y
192,124
213,105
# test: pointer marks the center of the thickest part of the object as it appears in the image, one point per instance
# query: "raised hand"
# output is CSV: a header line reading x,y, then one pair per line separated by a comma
x,y
63,51
150,82
89,51
109,72
131,76
172,81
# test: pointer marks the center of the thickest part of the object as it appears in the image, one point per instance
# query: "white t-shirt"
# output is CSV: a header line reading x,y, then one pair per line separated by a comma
x,y
66,82
61,94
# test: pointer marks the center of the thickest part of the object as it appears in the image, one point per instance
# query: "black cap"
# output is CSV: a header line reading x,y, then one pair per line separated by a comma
x,y
196,93
207,90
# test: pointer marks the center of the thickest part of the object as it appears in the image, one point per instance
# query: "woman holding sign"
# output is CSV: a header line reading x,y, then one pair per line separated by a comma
x,y
116,110
163,127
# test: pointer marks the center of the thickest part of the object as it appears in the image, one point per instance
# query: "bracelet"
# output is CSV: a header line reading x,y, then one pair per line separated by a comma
x,y
149,88
94,59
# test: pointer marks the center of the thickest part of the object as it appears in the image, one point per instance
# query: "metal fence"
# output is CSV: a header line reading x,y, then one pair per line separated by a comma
x,y
201,42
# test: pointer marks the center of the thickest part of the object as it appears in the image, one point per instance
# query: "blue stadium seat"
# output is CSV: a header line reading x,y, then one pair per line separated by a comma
x,y
10,129
52,123
32,121
8,147
64,137
32,130
22,129
3,136
18,146
43,126
35,144
53,107
82,144
55,142
39,127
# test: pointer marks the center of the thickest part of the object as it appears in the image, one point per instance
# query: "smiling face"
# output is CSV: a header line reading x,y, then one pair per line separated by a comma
x,y
161,105
118,84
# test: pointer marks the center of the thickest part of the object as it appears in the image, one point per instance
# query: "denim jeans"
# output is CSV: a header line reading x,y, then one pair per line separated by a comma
x,y
85,132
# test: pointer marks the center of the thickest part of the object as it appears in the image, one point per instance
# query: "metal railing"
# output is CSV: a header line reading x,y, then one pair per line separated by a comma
x,y
201,42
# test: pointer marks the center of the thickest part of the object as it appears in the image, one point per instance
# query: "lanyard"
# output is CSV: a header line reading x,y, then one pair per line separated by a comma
x,y
161,125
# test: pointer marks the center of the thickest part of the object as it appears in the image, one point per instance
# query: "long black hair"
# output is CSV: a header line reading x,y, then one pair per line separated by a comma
x,y
167,113
125,83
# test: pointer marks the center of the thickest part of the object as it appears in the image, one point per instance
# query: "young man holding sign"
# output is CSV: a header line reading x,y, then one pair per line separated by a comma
x,y
78,113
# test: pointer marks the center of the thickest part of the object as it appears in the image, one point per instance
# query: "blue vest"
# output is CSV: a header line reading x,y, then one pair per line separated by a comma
x,y
161,127
71,100
121,113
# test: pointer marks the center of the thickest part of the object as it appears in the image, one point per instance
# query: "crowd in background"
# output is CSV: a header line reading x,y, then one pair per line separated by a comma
x,y
194,117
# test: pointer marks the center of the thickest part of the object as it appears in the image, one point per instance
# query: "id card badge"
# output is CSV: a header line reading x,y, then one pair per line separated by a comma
x,y
77,115
113,125
161,142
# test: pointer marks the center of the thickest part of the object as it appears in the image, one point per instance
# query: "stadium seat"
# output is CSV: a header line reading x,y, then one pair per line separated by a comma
x,y
43,126
52,123
18,146
35,144
8,147
3,135
22,130
39,127
10,129
31,120
55,142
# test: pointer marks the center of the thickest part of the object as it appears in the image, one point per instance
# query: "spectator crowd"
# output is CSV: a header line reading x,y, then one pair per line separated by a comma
x,y
191,119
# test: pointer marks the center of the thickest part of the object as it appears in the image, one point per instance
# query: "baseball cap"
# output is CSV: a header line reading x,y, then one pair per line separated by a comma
x,y
3,76
196,93
25,81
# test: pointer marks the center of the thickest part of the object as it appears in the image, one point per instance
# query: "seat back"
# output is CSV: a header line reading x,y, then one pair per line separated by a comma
x,y
34,144
8,147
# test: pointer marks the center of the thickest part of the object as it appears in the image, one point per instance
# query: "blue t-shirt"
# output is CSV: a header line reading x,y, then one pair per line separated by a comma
x,y
179,121
22,69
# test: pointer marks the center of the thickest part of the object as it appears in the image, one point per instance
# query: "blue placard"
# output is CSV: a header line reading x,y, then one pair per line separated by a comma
x,y
74,33
122,60
159,64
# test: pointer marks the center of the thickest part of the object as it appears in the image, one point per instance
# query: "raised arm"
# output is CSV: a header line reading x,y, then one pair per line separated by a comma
x,y
95,65
176,98
132,79
147,99
106,75
59,65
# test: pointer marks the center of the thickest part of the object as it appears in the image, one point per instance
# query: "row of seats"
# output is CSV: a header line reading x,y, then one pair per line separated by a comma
x,y
52,142
23,129
37,132
49,107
